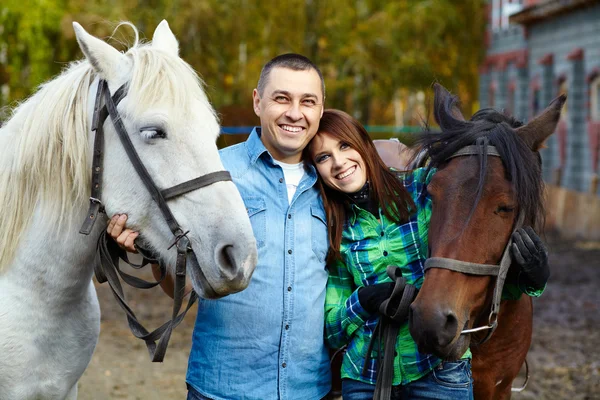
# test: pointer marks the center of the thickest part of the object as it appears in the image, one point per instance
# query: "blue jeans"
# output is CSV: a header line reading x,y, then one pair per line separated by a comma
x,y
451,380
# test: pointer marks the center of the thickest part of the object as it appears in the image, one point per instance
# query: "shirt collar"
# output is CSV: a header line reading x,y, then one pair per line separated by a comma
x,y
254,145
256,148
353,211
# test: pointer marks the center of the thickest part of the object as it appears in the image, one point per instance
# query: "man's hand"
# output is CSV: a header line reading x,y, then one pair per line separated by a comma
x,y
123,236
531,254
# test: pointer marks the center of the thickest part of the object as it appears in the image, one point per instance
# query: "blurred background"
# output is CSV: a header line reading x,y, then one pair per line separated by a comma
x,y
379,59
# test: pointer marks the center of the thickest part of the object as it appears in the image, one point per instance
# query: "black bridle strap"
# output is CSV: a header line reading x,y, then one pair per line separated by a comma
x,y
139,166
108,250
194,184
98,155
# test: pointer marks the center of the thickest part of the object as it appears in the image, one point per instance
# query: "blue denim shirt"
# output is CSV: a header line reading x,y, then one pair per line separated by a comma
x,y
266,342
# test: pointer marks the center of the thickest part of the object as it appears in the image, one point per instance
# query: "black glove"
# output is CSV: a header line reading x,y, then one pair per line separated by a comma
x,y
371,297
531,254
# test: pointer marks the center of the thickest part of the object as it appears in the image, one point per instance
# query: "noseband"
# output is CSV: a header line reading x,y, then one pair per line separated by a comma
x,y
106,267
500,271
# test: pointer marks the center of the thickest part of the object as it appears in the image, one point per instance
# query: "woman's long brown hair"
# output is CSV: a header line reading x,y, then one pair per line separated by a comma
x,y
385,188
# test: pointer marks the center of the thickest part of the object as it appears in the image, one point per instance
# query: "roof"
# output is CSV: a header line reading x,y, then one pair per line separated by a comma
x,y
545,9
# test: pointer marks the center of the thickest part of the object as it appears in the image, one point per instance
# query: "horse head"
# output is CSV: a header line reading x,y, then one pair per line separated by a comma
x,y
477,197
173,128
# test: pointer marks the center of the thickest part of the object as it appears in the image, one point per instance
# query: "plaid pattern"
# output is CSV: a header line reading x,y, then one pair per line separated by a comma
x,y
368,247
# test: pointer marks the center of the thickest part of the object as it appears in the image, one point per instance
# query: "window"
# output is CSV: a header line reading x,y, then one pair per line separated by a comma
x,y
595,99
502,10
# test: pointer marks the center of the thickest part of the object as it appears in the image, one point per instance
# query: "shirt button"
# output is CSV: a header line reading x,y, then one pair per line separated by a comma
x,y
385,253
289,288
280,180
284,365
290,251
287,327
289,216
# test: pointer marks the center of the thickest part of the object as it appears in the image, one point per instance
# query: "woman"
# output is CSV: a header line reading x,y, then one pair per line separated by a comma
x,y
376,220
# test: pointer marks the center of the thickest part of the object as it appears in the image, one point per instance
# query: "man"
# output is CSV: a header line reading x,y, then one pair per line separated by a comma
x,y
266,342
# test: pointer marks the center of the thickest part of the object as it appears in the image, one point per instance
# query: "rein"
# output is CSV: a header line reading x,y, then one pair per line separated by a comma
x,y
394,313
106,266
500,271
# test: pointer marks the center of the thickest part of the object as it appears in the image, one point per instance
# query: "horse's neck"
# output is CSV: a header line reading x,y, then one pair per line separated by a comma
x,y
54,265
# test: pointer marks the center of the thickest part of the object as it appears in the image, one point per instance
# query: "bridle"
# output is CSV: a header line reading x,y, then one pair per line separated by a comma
x,y
500,271
107,261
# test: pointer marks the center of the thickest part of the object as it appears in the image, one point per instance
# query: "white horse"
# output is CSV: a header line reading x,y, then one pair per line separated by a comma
x,y
49,313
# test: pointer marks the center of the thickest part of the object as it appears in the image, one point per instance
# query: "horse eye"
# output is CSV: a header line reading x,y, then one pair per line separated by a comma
x,y
505,209
152,132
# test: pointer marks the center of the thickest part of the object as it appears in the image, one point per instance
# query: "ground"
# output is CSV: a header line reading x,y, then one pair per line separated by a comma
x,y
564,359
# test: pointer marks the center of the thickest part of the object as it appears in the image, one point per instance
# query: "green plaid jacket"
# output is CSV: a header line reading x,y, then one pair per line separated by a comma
x,y
368,247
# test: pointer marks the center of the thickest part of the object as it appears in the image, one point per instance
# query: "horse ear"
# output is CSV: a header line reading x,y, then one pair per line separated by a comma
x,y
537,130
106,60
446,102
164,39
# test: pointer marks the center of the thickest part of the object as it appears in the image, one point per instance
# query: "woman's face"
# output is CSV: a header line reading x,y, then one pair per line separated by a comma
x,y
340,166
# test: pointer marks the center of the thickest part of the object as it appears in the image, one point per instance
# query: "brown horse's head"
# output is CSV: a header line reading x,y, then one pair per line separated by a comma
x,y
476,200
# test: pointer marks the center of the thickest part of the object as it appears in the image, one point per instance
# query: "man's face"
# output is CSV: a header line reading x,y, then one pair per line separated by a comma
x,y
289,110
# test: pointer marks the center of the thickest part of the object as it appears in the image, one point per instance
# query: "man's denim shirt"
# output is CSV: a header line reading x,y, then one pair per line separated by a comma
x,y
266,342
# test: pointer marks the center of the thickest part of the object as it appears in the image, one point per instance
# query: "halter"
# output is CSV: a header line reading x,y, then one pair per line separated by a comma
x,y
464,267
106,267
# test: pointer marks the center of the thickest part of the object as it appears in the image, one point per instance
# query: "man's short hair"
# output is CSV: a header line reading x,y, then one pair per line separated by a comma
x,y
293,61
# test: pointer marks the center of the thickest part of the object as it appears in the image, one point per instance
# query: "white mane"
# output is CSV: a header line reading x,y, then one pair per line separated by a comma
x,y
44,147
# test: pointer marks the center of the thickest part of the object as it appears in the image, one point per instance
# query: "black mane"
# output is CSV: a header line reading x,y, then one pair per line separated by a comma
x,y
488,126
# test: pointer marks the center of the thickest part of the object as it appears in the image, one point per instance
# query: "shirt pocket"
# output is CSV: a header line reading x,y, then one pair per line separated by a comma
x,y
320,240
257,212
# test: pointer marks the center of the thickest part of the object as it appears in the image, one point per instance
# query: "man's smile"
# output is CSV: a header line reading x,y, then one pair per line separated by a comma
x,y
291,128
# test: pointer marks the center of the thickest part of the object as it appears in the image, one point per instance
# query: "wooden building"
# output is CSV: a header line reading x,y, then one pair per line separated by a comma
x,y
536,50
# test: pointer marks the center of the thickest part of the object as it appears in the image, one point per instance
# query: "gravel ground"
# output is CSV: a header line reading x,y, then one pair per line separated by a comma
x,y
564,359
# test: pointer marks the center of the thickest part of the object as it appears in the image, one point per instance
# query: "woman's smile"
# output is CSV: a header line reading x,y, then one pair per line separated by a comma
x,y
349,172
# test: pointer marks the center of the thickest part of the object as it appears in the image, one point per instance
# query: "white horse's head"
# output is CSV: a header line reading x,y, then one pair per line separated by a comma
x,y
174,130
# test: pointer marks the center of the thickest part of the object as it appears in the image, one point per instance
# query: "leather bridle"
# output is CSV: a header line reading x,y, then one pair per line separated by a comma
x,y
107,260
499,271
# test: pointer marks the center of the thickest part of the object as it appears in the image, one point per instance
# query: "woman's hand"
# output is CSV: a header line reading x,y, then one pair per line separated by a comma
x,y
123,236
531,254
370,297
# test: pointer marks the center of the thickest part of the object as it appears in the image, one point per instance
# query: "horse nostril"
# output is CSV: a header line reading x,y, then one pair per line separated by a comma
x,y
226,261
449,329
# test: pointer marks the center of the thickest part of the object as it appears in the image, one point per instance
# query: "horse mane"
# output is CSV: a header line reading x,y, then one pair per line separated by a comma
x,y
489,127
44,146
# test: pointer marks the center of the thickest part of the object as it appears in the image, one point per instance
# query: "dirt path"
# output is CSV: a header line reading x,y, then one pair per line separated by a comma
x,y
565,354
121,367
564,357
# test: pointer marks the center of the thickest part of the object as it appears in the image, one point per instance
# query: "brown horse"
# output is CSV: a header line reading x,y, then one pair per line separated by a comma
x,y
477,199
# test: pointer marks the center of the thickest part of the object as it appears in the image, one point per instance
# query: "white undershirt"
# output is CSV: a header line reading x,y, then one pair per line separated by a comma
x,y
292,173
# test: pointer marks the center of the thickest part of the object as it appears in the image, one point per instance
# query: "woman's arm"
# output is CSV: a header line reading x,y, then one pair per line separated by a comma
x,y
343,312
